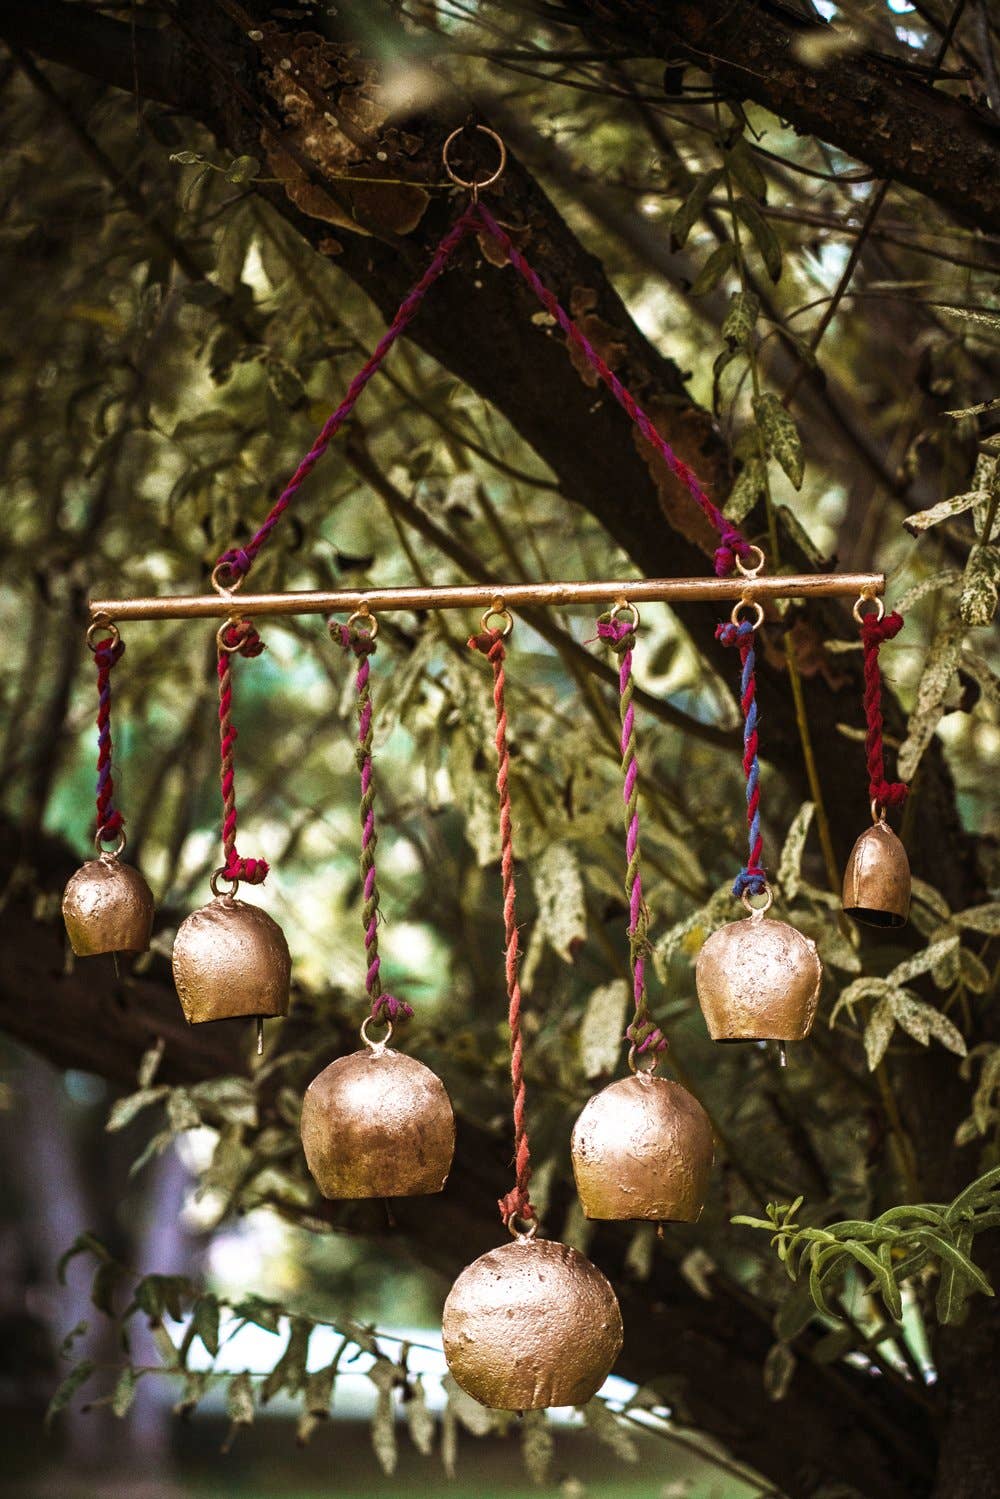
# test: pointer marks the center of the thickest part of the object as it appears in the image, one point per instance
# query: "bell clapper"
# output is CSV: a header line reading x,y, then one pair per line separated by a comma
x,y
782,1054
260,1035
118,972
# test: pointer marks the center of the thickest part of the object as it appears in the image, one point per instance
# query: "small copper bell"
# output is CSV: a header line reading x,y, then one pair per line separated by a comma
x,y
531,1324
877,878
231,960
107,906
377,1123
758,980
642,1148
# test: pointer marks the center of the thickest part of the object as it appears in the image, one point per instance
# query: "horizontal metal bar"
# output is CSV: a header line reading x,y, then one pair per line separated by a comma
x,y
483,595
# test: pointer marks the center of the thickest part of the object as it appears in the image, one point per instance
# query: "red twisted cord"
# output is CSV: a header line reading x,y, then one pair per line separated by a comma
x,y
517,1203
873,632
236,638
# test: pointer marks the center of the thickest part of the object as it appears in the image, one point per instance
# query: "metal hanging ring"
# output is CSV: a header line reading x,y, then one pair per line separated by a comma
x,y
522,1228
878,811
748,603
758,566
364,613
221,586
636,1058
859,607
102,622
375,1046
220,874
758,911
220,634
111,853
623,606
497,608
475,187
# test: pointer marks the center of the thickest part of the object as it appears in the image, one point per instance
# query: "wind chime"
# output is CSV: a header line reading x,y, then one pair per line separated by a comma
x,y
531,1323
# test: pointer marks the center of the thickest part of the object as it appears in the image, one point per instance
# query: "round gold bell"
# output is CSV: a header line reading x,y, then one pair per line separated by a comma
x,y
642,1148
758,980
531,1324
231,960
877,878
377,1123
107,906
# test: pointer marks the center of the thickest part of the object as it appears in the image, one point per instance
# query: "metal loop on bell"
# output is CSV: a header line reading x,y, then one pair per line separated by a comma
x,y
623,606
365,614
102,622
377,1047
112,853
475,187
220,874
758,911
224,588
497,608
637,1057
859,608
758,566
748,603
878,811
522,1229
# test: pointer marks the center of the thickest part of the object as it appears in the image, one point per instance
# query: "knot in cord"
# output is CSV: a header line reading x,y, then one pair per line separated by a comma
x,y
240,638
619,634
738,635
490,644
361,642
238,561
874,631
732,544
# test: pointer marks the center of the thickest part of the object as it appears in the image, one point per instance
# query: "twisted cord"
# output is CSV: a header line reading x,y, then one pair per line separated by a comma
x,y
517,1202
384,1007
109,819
751,878
733,543
239,560
873,632
241,639
643,1033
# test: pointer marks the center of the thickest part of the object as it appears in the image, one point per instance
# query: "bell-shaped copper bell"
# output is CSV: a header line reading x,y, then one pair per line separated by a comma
x,y
107,906
877,878
758,980
377,1123
531,1324
642,1148
231,960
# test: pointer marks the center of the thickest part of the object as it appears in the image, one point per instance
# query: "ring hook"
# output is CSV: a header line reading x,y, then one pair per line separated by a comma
x,y
747,603
377,1047
102,622
111,853
622,606
364,613
859,607
475,187
220,874
757,567
758,911
497,608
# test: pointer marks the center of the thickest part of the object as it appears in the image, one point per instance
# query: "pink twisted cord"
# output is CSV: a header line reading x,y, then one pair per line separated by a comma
x,y
236,638
733,543
106,654
239,560
516,1204
643,1033
384,1007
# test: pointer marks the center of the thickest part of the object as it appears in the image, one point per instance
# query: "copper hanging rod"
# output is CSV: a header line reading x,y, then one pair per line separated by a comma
x,y
482,595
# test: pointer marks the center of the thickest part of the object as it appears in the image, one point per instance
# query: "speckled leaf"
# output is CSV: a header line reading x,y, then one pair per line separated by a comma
x,y
562,907
939,668
715,267
790,864
878,1031
537,1445
383,1376
602,1027
922,520
764,236
980,586
746,491
419,1420
985,919
740,320
610,1429
781,435
684,219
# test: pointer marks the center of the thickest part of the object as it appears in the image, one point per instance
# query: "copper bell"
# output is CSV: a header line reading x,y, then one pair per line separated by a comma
x,y
377,1123
642,1148
231,960
531,1324
877,878
107,906
758,980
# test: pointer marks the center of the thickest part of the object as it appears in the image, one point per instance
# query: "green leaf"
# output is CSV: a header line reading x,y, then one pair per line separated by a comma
x,y
383,1376
289,1373
239,1406
610,1429
124,1110
743,165
780,434
953,1287
790,863
243,169
181,1111
124,1392
795,1313
149,1065
690,210
64,1394
186,158
834,1345
103,1286
883,1278
985,919
764,236
939,668
741,319
206,1322
779,1366
878,1032
419,1420
980,586
746,491
715,267
921,962
537,1445
602,1028
86,1243
923,520
562,906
